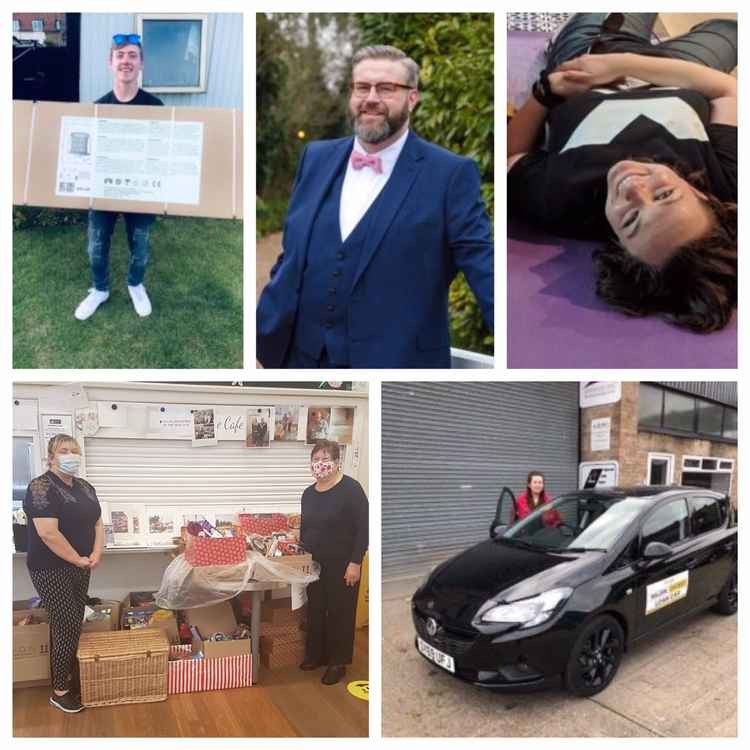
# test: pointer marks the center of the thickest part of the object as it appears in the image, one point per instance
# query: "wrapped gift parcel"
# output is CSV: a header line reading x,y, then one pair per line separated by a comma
x,y
202,550
179,161
263,524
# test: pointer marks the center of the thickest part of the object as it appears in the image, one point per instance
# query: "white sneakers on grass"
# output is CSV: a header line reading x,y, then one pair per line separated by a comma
x,y
90,304
141,302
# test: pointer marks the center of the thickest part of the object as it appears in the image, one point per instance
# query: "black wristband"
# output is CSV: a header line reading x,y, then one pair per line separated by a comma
x,y
542,92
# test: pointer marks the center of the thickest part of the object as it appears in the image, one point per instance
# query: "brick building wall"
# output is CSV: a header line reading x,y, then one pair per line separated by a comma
x,y
630,447
49,19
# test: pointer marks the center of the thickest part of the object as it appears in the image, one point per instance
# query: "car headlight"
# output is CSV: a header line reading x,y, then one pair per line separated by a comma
x,y
527,612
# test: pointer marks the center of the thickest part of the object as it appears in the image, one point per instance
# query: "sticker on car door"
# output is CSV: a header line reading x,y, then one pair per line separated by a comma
x,y
667,591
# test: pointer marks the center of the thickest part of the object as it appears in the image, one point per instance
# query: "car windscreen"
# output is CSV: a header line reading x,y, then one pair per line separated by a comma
x,y
577,522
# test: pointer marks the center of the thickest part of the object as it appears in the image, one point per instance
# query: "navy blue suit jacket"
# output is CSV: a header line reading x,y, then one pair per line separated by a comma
x,y
430,222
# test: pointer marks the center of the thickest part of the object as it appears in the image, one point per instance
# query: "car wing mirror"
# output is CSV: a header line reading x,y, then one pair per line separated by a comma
x,y
498,529
656,551
505,513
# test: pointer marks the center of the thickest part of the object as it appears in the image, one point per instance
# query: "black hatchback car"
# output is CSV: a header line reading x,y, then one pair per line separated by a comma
x,y
562,593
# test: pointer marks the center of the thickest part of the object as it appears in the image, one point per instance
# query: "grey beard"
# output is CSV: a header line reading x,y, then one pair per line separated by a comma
x,y
378,133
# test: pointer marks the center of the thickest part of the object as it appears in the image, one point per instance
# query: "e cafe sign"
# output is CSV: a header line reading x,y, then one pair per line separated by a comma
x,y
230,425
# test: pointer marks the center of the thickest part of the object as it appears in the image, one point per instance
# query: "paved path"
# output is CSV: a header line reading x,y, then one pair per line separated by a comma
x,y
267,250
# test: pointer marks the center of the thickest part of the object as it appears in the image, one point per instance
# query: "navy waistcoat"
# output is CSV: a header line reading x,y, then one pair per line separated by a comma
x,y
322,317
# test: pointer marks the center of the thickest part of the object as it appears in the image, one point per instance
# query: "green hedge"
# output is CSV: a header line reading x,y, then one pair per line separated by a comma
x,y
456,111
28,217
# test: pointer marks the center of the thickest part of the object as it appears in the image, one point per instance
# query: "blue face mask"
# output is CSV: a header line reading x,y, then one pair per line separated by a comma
x,y
69,463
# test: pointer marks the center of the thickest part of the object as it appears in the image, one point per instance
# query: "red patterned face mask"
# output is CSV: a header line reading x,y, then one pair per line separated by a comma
x,y
323,469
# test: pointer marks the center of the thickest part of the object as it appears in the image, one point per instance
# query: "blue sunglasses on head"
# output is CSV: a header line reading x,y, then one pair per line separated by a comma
x,y
126,39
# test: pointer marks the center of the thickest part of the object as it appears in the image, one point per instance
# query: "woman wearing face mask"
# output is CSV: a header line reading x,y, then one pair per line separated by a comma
x,y
533,497
65,544
334,530
640,151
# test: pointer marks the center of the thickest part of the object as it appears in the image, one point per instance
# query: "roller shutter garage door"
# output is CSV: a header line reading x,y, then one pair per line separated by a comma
x,y
449,448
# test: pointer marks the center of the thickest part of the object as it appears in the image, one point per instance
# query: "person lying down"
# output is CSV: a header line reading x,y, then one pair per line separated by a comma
x,y
635,144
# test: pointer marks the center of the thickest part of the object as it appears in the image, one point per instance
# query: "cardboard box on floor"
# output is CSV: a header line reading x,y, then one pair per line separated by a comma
x,y
169,626
110,623
36,146
31,648
276,653
280,612
217,618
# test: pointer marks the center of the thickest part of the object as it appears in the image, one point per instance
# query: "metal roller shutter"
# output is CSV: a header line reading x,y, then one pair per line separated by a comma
x,y
172,472
449,448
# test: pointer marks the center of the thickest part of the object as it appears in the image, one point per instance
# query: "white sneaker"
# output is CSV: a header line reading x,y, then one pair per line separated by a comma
x,y
88,306
141,302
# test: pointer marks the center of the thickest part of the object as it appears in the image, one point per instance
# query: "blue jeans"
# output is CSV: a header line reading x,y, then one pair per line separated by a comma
x,y
101,224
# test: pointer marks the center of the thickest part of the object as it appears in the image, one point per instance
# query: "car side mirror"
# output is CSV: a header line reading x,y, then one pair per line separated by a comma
x,y
497,529
656,550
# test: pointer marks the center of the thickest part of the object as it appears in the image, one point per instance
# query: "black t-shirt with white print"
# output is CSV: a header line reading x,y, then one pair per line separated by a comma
x,y
563,188
76,509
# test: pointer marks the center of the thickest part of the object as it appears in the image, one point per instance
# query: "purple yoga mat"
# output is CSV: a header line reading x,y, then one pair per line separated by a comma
x,y
556,320
554,317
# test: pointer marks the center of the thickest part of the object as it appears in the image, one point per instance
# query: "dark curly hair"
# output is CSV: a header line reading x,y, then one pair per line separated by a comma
x,y
695,289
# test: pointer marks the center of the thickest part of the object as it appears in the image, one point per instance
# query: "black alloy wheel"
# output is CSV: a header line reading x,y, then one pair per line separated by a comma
x,y
596,656
727,602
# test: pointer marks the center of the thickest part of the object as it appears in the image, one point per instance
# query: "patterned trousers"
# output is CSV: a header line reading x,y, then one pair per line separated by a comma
x,y
63,593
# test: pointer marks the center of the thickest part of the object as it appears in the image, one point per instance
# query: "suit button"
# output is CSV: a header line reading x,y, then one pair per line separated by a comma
x,y
329,324
340,255
337,273
331,308
332,290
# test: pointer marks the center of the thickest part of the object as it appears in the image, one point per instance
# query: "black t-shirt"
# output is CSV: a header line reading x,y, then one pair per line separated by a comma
x,y
142,97
76,509
563,188
334,523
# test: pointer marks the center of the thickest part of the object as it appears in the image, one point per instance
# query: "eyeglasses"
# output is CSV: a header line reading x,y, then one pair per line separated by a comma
x,y
126,39
384,90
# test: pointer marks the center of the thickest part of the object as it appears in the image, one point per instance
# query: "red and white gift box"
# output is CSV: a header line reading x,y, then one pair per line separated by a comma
x,y
263,524
205,550
198,675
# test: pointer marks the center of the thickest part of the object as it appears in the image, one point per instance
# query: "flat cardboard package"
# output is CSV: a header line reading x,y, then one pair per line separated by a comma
x,y
177,161
217,618
31,651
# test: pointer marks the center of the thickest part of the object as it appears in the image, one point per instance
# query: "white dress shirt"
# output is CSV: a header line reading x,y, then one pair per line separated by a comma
x,y
362,186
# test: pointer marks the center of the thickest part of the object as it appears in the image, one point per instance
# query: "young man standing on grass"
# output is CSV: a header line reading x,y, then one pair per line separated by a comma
x,y
125,62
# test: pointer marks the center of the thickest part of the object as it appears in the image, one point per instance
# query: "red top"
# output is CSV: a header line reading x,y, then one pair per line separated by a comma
x,y
523,508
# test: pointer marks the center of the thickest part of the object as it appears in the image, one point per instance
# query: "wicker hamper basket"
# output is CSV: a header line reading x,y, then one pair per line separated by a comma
x,y
123,666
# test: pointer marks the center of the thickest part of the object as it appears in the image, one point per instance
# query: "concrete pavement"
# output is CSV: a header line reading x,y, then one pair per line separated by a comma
x,y
681,683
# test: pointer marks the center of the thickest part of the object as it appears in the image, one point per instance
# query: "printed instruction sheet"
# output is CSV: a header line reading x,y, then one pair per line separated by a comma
x,y
140,160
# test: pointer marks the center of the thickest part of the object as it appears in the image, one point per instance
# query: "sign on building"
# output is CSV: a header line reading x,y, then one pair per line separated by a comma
x,y
598,474
598,392
600,434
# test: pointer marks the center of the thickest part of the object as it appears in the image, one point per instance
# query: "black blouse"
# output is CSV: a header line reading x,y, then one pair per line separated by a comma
x,y
76,509
335,522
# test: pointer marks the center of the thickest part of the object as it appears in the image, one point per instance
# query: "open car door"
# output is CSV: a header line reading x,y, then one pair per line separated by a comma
x,y
505,513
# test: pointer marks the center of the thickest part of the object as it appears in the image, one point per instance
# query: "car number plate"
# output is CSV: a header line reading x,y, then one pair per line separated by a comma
x,y
438,657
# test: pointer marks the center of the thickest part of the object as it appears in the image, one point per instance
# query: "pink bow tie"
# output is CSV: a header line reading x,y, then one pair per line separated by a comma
x,y
367,160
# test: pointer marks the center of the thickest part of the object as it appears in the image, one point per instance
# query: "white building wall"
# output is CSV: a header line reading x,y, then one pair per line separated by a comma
x,y
224,50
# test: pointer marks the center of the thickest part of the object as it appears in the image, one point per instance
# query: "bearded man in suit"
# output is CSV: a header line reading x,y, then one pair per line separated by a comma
x,y
379,223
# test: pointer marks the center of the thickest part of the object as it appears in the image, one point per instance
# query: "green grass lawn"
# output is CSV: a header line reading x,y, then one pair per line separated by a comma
x,y
194,280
